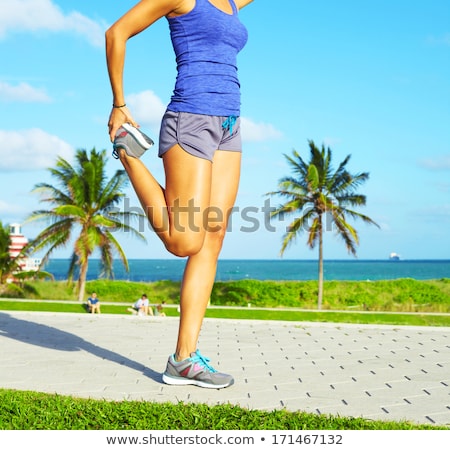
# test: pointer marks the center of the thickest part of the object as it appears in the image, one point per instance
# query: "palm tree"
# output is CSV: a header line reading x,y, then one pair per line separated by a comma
x,y
85,201
319,193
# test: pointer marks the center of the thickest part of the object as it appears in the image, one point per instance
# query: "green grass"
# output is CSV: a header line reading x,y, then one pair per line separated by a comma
x,y
378,318
23,410
333,316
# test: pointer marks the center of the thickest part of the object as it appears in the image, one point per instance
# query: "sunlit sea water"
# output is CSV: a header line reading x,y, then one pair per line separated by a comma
x,y
172,269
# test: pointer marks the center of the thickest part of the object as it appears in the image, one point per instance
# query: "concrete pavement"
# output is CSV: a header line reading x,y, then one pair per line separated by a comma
x,y
374,372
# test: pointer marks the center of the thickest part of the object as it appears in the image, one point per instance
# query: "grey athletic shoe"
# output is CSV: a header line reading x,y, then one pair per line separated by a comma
x,y
195,370
132,140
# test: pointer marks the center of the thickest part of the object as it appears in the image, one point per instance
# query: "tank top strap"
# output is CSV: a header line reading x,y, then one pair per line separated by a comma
x,y
202,3
233,6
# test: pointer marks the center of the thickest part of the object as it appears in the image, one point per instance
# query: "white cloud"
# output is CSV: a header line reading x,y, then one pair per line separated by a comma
x,y
44,15
147,109
32,149
436,163
23,92
258,132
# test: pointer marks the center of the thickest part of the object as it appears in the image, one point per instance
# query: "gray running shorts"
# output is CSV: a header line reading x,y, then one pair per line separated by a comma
x,y
200,135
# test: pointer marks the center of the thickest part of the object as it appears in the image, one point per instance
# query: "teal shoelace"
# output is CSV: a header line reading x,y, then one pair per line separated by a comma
x,y
202,360
229,123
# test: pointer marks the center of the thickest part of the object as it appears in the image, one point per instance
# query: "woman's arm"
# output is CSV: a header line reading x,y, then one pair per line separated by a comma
x,y
137,19
241,3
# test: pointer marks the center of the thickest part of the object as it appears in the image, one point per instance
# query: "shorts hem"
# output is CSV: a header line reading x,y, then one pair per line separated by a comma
x,y
199,135
188,149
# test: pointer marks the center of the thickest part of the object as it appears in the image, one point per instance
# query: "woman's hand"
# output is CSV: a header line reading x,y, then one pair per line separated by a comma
x,y
117,118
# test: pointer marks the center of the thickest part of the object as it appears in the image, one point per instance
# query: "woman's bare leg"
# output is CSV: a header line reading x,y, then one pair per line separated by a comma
x,y
176,212
201,267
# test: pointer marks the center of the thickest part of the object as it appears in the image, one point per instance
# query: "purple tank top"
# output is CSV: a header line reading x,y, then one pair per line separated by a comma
x,y
206,42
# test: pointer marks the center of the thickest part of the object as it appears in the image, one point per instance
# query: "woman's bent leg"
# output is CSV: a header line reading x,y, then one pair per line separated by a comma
x,y
176,212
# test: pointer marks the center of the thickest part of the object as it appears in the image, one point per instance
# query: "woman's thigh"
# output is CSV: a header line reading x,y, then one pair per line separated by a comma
x,y
224,183
188,193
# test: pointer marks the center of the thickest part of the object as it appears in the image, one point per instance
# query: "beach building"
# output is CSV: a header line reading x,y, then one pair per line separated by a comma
x,y
18,242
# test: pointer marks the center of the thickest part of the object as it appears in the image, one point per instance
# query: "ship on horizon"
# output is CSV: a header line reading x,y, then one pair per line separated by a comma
x,y
394,257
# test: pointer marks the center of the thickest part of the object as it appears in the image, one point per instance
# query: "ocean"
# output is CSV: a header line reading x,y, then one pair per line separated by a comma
x,y
237,269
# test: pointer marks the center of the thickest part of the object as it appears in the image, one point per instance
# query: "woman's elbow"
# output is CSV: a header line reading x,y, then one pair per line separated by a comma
x,y
110,34
114,35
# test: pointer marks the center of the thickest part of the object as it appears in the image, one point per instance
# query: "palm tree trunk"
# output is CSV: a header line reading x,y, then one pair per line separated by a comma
x,y
82,281
320,290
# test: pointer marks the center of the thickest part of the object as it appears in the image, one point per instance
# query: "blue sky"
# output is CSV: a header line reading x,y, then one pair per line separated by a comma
x,y
370,79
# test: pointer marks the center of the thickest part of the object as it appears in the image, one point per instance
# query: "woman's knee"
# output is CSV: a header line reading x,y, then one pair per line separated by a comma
x,y
214,240
185,245
189,244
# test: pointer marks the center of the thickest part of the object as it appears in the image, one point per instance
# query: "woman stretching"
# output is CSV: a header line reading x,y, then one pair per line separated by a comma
x,y
200,146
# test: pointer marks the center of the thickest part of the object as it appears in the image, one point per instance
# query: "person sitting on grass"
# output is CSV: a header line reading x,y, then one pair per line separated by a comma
x,y
93,304
159,310
141,307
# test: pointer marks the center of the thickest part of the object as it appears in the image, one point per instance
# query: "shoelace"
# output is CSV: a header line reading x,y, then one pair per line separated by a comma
x,y
229,123
203,360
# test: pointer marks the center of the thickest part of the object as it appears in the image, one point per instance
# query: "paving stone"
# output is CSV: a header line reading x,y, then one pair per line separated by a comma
x,y
374,372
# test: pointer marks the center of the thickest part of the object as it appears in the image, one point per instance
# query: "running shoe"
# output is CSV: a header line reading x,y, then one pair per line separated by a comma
x,y
197,371
132,140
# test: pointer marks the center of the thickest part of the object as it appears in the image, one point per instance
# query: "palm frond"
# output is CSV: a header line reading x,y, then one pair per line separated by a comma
x,y
52,194
315,231
117,247
73,265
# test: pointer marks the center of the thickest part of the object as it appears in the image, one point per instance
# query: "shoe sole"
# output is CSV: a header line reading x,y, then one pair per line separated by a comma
x,y
168,379
137,135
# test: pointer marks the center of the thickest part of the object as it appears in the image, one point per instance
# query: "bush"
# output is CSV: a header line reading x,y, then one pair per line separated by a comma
x,y
393,295
11,290
264,293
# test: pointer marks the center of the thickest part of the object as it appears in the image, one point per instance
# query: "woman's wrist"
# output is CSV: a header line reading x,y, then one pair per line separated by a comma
x,y
119,106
